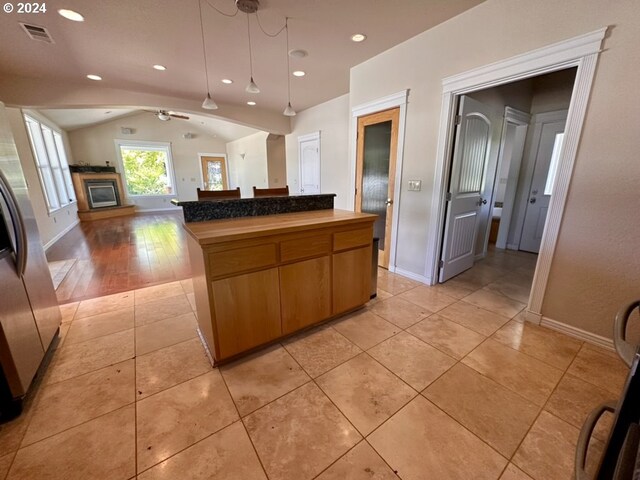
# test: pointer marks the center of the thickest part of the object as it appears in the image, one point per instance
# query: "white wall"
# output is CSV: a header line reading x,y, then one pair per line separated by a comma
x,y
251,170
596,263
332,120
51,225
95,145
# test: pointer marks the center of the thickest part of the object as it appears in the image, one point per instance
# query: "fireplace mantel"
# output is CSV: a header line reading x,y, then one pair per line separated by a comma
x,y
85,212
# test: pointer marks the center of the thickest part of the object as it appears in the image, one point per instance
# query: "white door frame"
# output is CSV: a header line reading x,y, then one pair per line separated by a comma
x,y
392,101
581,52
306,138
226,161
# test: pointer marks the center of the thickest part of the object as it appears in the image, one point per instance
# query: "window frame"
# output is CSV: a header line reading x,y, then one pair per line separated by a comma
x,y
57,186
148,145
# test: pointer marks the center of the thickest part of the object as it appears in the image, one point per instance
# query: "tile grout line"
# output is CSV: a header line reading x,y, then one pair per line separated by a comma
x,y
135,392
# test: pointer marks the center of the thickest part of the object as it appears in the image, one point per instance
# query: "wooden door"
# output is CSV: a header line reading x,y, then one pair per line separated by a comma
x,y
214,173
376,172
468,205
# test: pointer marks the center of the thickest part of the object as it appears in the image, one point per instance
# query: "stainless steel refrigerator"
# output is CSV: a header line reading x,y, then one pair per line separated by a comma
x,y
29,312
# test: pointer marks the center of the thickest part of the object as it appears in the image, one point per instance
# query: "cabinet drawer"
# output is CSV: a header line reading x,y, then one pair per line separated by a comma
x,y
353,238
242,259
306,247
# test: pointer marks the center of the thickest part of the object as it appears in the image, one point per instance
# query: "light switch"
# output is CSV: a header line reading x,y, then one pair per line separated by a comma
x,y
415,185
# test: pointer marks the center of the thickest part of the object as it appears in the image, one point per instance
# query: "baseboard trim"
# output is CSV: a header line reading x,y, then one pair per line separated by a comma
x,y
50,243
412,276
579,333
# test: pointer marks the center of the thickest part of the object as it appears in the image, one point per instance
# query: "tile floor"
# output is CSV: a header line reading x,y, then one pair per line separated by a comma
x,y
440,382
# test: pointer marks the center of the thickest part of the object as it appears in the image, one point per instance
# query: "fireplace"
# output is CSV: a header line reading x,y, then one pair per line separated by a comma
x,y
102,193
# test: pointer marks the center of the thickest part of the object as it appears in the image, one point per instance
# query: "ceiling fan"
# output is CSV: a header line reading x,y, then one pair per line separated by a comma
x,y
166,115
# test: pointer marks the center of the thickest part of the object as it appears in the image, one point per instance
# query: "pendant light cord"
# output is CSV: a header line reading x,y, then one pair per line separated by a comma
x,y
286,27
204,48
250,54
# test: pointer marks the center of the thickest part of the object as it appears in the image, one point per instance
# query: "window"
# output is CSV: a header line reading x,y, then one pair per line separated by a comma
x,y
147,168
52,165
553,167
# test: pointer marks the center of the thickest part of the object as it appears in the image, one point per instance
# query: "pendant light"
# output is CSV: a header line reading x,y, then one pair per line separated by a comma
x,y
252,87
288,111
208,103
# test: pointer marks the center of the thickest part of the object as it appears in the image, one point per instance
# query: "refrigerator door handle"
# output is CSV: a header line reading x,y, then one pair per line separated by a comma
x,y
17,223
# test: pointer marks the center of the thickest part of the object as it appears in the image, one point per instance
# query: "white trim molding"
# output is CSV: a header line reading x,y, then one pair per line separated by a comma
x,y
581,52
413,276
61,234
578,333
391,101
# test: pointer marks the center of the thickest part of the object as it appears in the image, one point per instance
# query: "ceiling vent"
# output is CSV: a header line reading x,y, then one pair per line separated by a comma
x,y
36,32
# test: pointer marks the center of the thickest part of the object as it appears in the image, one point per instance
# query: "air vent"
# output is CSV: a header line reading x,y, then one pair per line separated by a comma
x,y
36,32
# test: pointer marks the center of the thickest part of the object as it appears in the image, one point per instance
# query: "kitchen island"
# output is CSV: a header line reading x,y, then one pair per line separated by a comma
x,y
258,279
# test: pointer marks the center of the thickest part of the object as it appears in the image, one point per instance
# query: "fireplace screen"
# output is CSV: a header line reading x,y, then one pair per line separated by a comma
x,y
102,194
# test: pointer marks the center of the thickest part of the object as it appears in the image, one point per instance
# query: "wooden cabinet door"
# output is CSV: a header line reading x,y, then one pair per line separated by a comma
x,y
247,311
305,289
351,279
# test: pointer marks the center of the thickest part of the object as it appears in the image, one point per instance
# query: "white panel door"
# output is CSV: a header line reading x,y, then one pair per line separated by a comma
x,y
469,170
309,155
544,173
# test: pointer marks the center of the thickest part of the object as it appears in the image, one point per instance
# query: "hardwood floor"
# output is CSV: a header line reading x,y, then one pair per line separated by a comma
x,y
120,254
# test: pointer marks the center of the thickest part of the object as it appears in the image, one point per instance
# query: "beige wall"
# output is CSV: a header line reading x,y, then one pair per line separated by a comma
x,y
250,170
596,265
96,145
276,161
51,225
332,120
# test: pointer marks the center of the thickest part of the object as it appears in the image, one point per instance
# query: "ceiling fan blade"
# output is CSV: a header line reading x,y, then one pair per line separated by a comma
x,y
175,115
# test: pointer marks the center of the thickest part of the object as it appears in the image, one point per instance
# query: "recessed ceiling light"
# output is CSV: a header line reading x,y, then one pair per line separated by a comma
x,y
299,73
94,77
298,53
162,68
71,15
227,81
251,102
358,37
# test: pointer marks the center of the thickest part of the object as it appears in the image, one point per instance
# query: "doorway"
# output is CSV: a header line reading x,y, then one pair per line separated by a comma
x,y
309,159
377,147
214,172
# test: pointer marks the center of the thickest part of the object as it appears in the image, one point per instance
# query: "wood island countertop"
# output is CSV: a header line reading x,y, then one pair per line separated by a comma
x,y
217,231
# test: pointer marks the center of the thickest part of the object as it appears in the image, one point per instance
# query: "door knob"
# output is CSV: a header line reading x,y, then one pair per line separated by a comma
x,y
532,200
389,202
482,202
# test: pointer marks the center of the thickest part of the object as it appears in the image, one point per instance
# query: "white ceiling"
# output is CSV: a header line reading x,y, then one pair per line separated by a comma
x,y
72,118
121,40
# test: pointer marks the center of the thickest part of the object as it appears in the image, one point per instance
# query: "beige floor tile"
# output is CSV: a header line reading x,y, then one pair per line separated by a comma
x,y
528,377
187,285
86,328
574,399
365,329
227,455
428,298
320,350
400,312
11,434
66,404
68,310
516,287
551,347
601,368
449,337
5,463
393,283
99,305
192,301
480,275
548,450
164,333
514,473
161,309
365,391
79,358
360,463
380,296
169,366
495,302
157,292
103,448
495,414
477,319
412,360
300,434
176,418
422,440
454,288
262,377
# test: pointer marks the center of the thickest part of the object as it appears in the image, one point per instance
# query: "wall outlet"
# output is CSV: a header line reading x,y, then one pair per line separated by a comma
x,y
415,185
